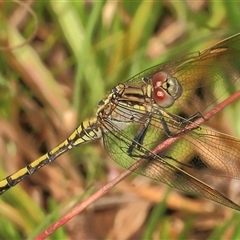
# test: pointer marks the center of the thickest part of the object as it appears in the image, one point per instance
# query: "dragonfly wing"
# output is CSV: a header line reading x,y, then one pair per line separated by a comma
x,y
206,151
205,76
201,149
117,144
215,153
133,131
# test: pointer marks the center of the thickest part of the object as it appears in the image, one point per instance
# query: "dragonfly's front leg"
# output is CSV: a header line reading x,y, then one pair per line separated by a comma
x,y
139,138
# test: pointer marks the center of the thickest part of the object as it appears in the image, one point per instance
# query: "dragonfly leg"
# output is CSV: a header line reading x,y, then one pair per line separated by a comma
x,y
182,123
138,139
165,126
194,117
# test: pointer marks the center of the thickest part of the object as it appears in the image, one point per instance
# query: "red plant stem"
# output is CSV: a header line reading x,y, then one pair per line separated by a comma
x,y
84,204
136,165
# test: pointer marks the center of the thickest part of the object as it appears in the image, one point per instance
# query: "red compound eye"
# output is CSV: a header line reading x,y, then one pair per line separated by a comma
x,y
159,79
166,89
162,98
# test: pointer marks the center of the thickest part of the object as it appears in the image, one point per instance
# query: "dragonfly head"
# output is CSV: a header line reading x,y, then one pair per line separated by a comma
x,y
165,89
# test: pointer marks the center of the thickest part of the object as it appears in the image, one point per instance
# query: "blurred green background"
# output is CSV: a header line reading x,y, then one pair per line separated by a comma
x,y
48,86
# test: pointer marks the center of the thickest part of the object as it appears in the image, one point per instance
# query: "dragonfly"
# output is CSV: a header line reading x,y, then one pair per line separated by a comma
x,y
158,104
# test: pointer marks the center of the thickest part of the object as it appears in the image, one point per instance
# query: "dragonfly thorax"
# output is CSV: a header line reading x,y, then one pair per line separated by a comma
x,y
127,94
125,104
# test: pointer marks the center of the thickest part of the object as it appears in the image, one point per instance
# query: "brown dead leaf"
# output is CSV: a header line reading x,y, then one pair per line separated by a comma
x,y
129,219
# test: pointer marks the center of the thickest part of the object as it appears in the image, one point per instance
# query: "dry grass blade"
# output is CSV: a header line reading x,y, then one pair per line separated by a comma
x,y
48,86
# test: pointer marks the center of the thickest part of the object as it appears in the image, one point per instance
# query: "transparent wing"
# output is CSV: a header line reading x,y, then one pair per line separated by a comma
x,y
162,167
205,76
201,149
206,151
